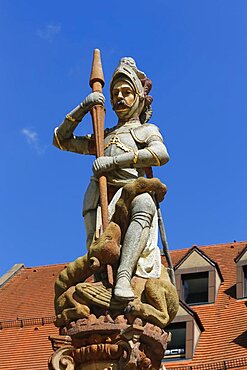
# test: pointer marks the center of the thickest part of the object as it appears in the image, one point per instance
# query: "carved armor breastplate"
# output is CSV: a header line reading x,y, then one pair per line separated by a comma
x,y
120,141
116,140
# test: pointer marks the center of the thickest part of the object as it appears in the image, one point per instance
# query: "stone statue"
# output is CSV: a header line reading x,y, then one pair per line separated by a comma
x,y
141,285
130,147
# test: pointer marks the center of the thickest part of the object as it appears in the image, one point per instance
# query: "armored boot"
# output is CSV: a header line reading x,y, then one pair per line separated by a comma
x,y
143,210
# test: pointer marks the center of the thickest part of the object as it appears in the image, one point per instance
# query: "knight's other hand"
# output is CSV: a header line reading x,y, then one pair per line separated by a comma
x,y
103,164
92,99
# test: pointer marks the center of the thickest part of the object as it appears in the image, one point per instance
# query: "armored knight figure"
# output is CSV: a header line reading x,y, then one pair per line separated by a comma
x,y
130,147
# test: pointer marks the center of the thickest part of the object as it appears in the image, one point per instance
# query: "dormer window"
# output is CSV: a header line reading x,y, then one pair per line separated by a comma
x,y
176,348
241,262
185,332
198,278
245,280
195,287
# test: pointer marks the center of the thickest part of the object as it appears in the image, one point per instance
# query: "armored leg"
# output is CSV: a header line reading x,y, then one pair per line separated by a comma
x,y
90,224
142,213
90,204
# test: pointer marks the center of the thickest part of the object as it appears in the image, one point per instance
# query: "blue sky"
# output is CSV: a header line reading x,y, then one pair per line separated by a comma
x,y
194,52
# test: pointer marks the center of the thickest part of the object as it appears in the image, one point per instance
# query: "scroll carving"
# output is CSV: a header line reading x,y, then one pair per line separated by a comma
x,y
62,359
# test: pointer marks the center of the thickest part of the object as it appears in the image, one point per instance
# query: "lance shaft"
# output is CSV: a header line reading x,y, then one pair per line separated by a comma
x,y
98,116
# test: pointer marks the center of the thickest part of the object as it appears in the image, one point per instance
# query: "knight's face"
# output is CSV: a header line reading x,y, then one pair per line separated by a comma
x,y
123,97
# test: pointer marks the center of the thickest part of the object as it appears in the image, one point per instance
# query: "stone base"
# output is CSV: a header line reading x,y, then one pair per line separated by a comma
x,y
104,344
99,366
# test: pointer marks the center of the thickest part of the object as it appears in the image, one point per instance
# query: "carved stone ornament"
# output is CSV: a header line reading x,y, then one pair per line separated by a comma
x,y
107,345
100,366
62,359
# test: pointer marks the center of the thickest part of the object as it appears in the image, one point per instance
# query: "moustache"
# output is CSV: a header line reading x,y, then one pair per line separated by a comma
x,y
121,104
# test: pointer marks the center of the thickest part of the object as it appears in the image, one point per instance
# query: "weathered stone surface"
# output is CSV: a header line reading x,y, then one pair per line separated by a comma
x,y
105,250
100,366
155,301
103,344
130,191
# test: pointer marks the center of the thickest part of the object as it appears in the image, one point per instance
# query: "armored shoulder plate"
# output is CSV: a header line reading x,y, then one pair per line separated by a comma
x,y
146,133
107,131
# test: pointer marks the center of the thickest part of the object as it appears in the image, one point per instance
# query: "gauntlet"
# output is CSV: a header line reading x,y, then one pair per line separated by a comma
x,y
83,108
66,129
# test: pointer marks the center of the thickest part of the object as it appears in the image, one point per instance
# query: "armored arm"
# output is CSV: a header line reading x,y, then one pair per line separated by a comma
x,y
64,138
153,152
70,142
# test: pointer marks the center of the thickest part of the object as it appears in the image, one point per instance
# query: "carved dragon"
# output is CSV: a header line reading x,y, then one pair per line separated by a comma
x,y
156,299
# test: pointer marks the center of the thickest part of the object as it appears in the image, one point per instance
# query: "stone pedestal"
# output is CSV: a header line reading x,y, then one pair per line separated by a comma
x,y
106,344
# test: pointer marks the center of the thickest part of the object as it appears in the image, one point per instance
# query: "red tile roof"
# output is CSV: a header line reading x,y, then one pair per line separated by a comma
x,y
26,318
225,321
29,294
25,348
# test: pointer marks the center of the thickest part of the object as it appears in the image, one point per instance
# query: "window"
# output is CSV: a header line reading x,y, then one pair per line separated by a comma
x,y
185,332
198,278
241,265
241,286
245,280
195,287
177,347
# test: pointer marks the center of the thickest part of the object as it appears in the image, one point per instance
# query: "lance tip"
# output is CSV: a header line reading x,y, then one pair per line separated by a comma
x,y
97,75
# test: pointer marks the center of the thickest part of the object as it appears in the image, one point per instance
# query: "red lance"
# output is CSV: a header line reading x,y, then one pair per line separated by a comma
x,y
98,116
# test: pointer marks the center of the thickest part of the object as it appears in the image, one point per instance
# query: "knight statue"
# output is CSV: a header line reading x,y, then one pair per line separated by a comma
x,y
113,303
130,147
